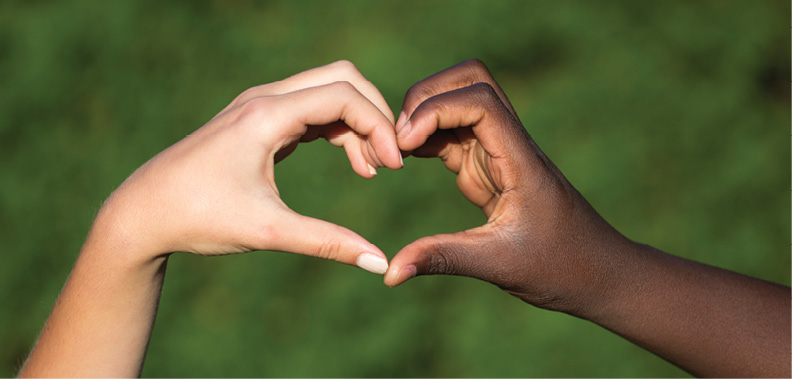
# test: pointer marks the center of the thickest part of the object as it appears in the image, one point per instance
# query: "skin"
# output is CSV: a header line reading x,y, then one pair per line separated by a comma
x,y
544,243
212,193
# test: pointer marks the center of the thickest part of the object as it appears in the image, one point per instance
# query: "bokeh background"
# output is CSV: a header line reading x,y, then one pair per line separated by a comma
x,y
671,117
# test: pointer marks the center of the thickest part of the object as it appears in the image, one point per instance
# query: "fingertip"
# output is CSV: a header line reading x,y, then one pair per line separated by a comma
x,y
395,161
407,139
396,276
372,263
390,276
402,266
318,238
406,273
405,129
364,169
400,121
359,163
385,148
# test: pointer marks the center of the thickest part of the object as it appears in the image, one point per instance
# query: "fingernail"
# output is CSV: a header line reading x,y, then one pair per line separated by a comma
x,y
401,159
405,129
372,170
372,263
400,120
407,272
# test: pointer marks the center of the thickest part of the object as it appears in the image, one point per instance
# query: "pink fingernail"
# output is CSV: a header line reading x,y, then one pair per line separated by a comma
x,y
405,129
372,263
407,272
400,120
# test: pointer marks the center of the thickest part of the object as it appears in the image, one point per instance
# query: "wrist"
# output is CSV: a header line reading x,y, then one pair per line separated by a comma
x,y
587,276
118,236
617,279
111,295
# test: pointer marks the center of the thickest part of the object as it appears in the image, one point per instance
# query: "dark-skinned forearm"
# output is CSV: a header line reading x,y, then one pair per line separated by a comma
x,y
708,321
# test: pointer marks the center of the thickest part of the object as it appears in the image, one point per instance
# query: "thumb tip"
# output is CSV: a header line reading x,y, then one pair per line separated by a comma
x,y
397,276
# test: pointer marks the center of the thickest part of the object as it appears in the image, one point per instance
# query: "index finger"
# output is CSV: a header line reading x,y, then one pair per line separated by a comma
x,y
461,75
341,101
339,71
477,107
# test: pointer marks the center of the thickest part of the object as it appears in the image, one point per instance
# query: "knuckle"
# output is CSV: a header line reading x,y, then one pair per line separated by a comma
x,y
329,249
417,94
345,67
245,95
485,93
485,89
253,108
440,259
476,65
477,71
431,109
410,95
436,108
343,86
439,264
414,90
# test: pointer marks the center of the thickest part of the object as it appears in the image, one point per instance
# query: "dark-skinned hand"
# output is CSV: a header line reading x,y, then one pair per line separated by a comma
x,y
545,244
541,239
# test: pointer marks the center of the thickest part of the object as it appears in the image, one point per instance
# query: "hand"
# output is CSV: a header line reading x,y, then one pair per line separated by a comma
x,y
214,192
542,241
544,244
211,193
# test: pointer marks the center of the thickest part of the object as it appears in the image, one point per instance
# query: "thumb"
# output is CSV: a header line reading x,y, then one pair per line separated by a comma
x,y
295,233
442,254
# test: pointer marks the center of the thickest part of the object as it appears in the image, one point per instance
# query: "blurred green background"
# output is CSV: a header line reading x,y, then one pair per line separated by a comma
x,y
670,117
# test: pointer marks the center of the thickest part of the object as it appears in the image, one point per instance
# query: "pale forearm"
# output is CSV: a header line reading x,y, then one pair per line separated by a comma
x,y
102,320
709,321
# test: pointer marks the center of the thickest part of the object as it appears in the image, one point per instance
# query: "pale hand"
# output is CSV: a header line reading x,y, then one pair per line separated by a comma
x,y
214,192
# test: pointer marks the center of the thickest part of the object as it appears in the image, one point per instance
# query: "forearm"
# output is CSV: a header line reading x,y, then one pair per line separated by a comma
x,y
102,320
708,321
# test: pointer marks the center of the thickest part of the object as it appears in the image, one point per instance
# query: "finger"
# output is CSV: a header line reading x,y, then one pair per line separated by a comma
x,y
458,76
443,144
339,134
309,236
340,71
442,254
358,154
341,101
478,107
